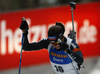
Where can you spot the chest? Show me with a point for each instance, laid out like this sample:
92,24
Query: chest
59,57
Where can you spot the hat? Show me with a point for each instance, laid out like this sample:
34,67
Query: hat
54,33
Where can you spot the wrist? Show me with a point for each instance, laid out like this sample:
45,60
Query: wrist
25,33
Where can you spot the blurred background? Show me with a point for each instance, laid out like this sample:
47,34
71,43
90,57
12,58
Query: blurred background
13,5
40,15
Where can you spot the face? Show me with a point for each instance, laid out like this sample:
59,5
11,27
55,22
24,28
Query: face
56,45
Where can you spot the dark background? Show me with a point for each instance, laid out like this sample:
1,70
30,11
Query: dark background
14,5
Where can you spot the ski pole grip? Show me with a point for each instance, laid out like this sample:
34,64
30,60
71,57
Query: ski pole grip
72,4
23,19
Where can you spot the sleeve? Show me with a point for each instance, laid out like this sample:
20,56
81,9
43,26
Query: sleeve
35,45
75,52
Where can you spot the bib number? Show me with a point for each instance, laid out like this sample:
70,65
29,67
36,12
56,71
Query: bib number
59,69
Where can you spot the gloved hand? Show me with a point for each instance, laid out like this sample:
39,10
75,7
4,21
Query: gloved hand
72,35
64,46
25,33
24,25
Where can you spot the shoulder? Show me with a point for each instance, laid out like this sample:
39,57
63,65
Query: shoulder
45,39
72,43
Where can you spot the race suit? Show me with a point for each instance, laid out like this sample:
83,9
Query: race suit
62,62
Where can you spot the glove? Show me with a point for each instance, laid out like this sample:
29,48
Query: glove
24,25
64,46
25,33
70,35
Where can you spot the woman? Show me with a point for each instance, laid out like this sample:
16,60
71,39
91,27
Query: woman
64,53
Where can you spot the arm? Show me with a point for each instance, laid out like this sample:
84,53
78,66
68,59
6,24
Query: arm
72,48
31,46
75,52
34,46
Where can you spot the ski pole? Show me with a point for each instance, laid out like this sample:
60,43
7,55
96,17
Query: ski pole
72,32
76,72
20,57
23,19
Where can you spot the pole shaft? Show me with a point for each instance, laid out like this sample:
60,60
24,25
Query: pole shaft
21,54
72,18
73,32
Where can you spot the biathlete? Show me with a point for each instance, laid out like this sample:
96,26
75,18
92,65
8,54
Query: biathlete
64,53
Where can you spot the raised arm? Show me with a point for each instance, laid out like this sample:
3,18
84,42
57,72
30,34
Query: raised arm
31,46
73,50
35,45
